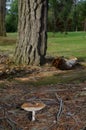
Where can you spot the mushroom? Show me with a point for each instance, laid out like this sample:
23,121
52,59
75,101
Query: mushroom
33,108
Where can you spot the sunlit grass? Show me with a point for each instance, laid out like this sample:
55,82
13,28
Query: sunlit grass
12,35
66,77
8,43
72,44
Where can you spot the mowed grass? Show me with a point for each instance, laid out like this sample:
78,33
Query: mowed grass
8,43
72,44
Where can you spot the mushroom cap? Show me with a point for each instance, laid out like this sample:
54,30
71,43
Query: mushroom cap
33,107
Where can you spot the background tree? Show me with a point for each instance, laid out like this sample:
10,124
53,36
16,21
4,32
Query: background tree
54,21
67,6
54,7
32,32
81,9
75,15
2,18
12,17
61,10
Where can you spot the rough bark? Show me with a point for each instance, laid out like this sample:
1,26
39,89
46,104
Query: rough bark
2,18
85,25
32,35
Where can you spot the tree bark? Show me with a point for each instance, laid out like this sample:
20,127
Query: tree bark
2,17
32,32
85,25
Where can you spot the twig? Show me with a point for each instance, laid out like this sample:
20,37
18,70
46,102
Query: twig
73,117
2,118
60,107
59,112
1,127
73,128
50,126
12,123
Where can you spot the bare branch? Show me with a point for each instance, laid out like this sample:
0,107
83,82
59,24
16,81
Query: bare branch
60,107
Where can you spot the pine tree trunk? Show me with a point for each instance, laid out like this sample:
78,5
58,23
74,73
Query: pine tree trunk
85,25
32,35
2,18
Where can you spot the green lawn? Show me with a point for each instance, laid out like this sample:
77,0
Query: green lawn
8,43
72,44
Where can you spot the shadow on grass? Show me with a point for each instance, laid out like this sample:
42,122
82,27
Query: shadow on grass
66,77
82,59
7,41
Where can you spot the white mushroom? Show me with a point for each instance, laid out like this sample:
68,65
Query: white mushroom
33,108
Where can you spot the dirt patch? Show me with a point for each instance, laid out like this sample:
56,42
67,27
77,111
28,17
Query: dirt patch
67,111
65,102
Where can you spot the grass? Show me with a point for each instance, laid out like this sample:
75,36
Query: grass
67,77
72,44
7,44
13,35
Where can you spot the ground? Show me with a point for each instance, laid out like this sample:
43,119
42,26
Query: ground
63,113
63,92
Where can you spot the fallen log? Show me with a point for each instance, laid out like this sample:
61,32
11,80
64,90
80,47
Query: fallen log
63,63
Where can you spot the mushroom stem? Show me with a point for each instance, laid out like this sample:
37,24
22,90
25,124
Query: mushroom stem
33,115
